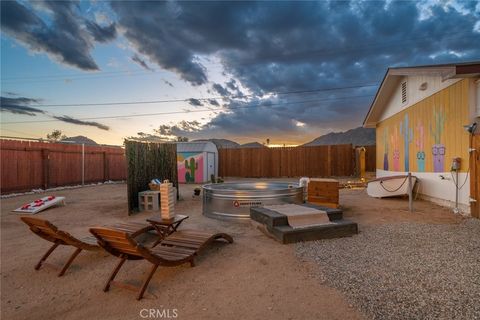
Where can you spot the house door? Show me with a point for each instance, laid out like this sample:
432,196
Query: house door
210,165
475,176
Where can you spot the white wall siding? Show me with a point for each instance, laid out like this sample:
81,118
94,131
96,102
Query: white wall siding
414,94
433,188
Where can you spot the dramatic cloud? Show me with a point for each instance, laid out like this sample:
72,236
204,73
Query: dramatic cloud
61,35
213,102
290,46
141,62
149,30
220,90
275,55
101,34
19,105
23,106
195,102
82,122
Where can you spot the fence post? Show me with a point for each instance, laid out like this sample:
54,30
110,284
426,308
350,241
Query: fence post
46,168
83,164
329,161
106,176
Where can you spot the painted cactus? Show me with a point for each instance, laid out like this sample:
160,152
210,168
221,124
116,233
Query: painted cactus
192,166
407,133
438,149
394,138
420,143
385,149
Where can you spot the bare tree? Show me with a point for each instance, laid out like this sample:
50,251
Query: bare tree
55,136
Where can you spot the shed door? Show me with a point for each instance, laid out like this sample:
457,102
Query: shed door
210,165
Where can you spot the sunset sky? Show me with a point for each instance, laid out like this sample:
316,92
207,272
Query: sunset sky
245,71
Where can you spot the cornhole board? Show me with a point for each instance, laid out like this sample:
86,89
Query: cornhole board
40,205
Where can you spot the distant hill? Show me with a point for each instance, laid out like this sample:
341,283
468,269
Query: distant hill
80,140
222,143
252,145
357,137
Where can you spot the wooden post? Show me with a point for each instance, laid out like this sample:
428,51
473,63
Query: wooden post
46,168
329,161
475,176
410,192
83,164
362,162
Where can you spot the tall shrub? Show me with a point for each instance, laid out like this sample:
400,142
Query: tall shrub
146,161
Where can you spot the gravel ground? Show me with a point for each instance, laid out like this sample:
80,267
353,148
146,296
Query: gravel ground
405,270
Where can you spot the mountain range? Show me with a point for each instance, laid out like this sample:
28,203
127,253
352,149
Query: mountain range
357,137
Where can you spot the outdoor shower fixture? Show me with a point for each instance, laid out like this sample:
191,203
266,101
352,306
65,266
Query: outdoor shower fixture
456,163
470,128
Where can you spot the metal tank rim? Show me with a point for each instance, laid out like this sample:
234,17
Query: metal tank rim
219,199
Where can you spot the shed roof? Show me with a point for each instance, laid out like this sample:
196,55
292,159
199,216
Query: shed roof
394,75
200,146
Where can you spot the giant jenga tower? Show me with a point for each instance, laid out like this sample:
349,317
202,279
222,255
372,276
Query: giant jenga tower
167,200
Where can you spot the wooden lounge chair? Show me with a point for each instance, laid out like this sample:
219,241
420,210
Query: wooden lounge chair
193,239
49,232
173,253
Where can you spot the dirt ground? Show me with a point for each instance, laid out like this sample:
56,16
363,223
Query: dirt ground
253,278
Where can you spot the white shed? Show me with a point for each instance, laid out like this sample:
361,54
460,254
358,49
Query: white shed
196,161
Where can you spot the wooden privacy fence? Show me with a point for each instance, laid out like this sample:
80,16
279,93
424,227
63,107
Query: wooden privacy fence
317,161
370,158
27,165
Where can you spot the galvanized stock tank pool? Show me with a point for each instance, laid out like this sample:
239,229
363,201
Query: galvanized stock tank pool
233,200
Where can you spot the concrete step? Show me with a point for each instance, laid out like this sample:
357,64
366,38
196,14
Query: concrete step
337,229
272,219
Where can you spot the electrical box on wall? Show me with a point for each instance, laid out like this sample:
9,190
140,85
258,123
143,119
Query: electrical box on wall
456,163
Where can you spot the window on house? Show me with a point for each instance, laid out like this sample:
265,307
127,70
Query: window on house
404,92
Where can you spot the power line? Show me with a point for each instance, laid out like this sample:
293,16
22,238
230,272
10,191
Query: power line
22,138
188,111
84,77
200,99
69,75
13,131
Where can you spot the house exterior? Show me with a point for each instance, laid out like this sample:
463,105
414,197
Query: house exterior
419,114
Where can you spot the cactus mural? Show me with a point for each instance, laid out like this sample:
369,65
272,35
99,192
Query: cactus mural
191,166
407,133
385,149
438,149
420,143
394,138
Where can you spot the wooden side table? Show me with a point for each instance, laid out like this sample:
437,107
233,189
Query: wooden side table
165,227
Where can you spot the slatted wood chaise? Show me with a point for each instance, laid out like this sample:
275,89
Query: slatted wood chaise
179,248
46,230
